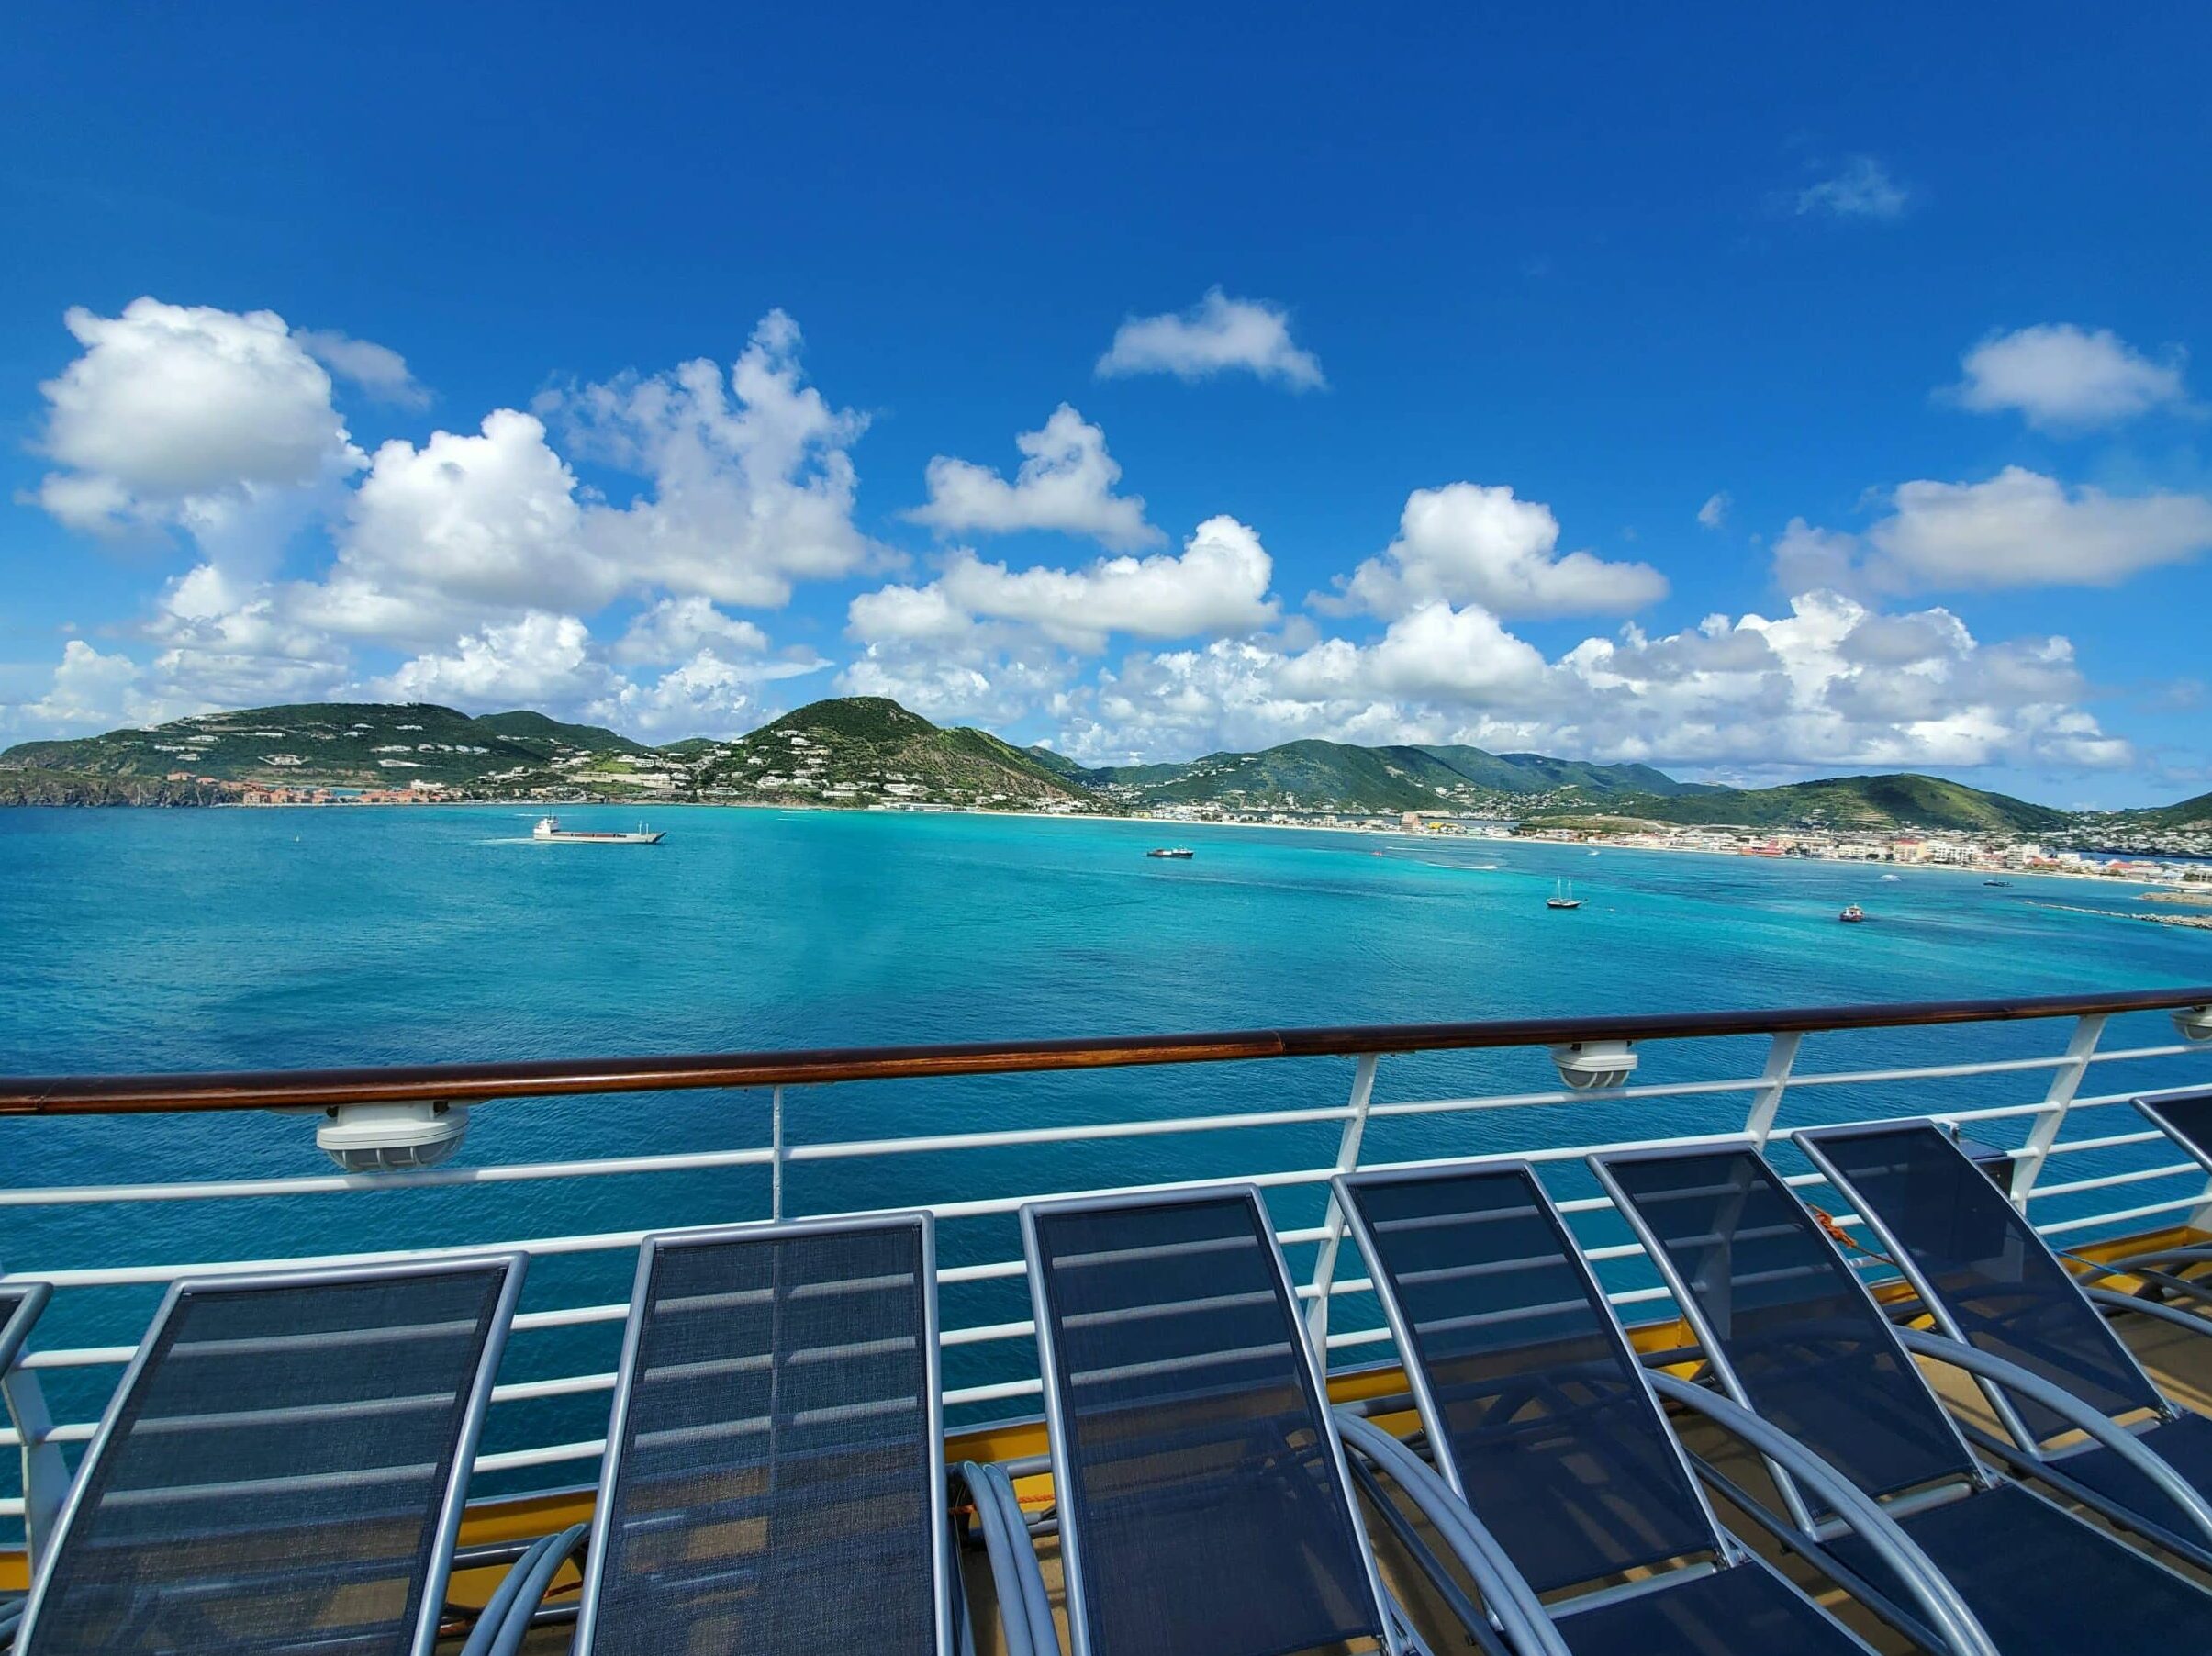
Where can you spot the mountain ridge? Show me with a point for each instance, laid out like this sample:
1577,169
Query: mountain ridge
870,749
1876,804
859,750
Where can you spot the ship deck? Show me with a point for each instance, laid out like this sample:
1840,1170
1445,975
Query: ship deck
2181,1364
2046,1082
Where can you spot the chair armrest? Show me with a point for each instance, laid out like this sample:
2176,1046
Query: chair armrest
500,1628
1945,1610
2144,1268
2155,1308
1527,1625
1024,1610
2184,1256
2071,1409
15,1329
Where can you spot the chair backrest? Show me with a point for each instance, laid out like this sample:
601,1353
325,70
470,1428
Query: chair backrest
1205,1510
282,1467
2187,1121
1544,1421
1791,1329
774,1470
1980,1267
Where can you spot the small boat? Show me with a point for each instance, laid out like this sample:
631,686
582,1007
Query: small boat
1562,896
1182,854
1889,876
549,829
1852,914
1996,882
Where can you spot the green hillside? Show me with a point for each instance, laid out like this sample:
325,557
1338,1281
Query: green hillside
1847,803
1540,773
2194,814
526,729
866,750
355,744
862,750
1335,776
1060,764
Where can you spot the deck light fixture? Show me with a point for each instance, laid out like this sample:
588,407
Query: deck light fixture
2194,1023
391,1138
1587,1066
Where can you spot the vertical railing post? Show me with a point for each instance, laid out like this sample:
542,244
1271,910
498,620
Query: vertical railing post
2065,1081
1347,1160
1766,1103
776,1154
45,1472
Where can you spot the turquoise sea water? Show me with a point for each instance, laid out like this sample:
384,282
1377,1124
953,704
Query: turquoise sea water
140,940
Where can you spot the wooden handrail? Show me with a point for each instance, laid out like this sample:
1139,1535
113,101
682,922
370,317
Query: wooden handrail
475,1083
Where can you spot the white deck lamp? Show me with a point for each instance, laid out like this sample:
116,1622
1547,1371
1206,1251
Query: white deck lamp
391,1138
1587,1066
2194,1023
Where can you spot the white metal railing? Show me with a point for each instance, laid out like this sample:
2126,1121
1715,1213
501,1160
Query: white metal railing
2073,1205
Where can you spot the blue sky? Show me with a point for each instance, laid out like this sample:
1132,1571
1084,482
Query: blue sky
1762,396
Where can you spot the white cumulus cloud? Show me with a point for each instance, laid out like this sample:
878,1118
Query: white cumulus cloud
486,523
1831,684
475,536
989,684
91,691
189,416
540,660
1472,544
708,695
378,370
2018,528
676,627
1065,484
1213,336
1217,584
2061,377
1714,514
550,662
753,475
990,643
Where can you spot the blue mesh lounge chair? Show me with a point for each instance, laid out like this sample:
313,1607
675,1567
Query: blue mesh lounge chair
2187,1121
774,1474
20,1308
1792,1334
1205,1507
1989,1279
1540,1417
282,1467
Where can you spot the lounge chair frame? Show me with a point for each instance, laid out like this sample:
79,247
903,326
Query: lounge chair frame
1882,1534
2152,1108
1800,1510
1393,1634
941,1562
1424,1401
23,1303
433,1609
20,1304
1812,1141
1998,1379
1802,1532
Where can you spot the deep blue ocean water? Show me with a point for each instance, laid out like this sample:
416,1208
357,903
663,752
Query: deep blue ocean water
158,940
